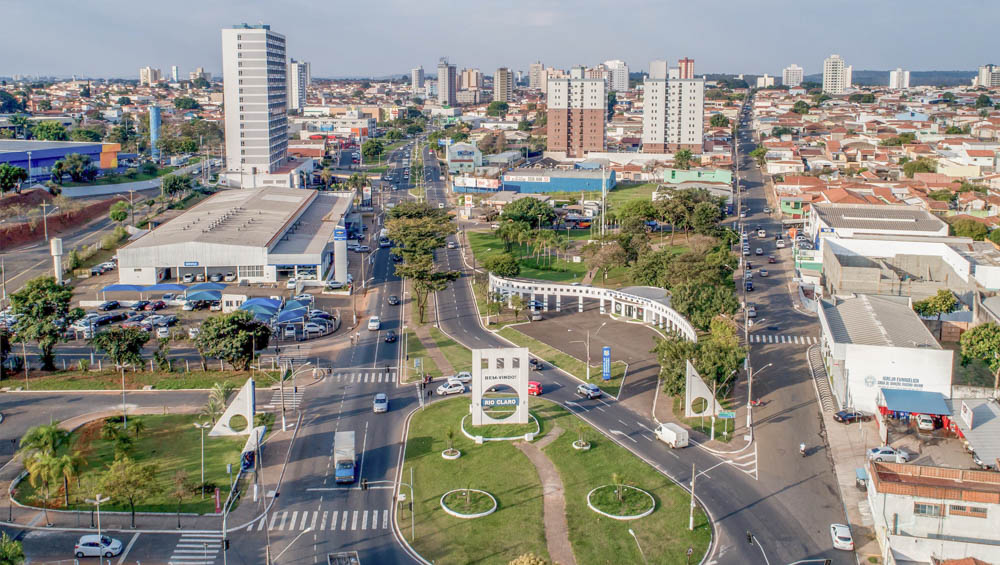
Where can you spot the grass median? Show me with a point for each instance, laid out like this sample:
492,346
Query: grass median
568,363
415,350
457,354
158,380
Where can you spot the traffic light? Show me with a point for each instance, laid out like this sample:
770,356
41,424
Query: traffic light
364,484
225,545
749,537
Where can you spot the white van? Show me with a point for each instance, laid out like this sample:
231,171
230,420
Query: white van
672,434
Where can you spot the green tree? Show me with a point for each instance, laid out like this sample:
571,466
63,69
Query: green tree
862,98
394,135
983,101
529,210
128,482
123,346
50,131
85,134
118,212
954,130
995,236
673,352
173,185
603,256
45,105
497,108
944,302
921,165
11,177
524,125
4,349
969,228
419,236
201,82
719,121
42,472
372,149
705,218
612,101
983,343
503,265
9,104
43,310
517,305
800,107
11,550
181,491
759,155
509,232
682,159
212,409
185,103
699,302
419,268
124,101
68,466
77,166
233,337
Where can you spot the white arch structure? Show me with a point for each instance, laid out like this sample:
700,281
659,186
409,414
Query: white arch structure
636,307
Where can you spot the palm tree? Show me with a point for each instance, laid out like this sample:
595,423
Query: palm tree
450,434
11,551
221,391
68,466
41,470
110,430
45,439
138,426
326,175
619,481
212,409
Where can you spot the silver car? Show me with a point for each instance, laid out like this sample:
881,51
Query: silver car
380,403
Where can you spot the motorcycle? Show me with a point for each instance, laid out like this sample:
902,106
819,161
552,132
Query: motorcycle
756,403
802,449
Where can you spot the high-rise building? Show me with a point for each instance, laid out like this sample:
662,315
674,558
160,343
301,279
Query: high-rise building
255,77
550,74
686,67
447,83
199,73
503,85
836,75
989,76
417,78
154,131
899,79
299,77
148,76
576,114
765,81
174,73
536,75
617,75
792,75
673,111
471,79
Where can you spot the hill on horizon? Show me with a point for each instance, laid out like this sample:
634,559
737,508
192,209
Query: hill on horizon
917,78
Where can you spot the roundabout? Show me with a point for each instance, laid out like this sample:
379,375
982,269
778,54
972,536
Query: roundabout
468,504
621,502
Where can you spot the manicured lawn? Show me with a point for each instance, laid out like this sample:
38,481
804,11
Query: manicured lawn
443,539
723,428
487,244
415,350
112,380
118,179
458,355
567,362
173,443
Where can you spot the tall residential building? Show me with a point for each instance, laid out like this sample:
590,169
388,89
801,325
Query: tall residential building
617,75
576,114
765,81
417,78
255,76
299,77
174,73
471,79
199,73
447,83
536,75
836,75
792,75
673,111
148,76
503,85
686,67
899,79
989,76
550,74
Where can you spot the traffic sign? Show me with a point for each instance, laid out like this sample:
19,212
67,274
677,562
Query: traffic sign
727,415
606,364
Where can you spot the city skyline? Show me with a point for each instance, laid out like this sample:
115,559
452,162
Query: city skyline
632,32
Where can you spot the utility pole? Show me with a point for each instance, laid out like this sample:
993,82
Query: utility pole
691,513
131,205
45,222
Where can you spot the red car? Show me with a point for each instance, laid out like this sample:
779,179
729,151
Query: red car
534,388
156,305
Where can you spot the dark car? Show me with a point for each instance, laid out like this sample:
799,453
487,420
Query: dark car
140,305
849,416
103,320
772,259
156,305
109,305
118,316
167,321
535,364
390,336
393,299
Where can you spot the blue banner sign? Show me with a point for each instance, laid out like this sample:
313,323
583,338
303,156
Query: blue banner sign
606,364
339,234
190,263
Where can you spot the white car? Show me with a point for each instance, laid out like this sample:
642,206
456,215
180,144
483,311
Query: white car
452,387
304,297
374,324
841,537
887,453
464,377
291,283
313,328
380,403
780,244
163,332
925,423
194,332
92,545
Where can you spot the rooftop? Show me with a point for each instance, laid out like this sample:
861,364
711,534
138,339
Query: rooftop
879,217
560,173
877,320
20,145
924,481
984,435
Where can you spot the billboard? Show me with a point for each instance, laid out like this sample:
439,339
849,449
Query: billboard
487,183
500,381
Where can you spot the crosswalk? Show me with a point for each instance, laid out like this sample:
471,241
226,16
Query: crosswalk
781,338
322,520
365,377
196,549
294,354
292,399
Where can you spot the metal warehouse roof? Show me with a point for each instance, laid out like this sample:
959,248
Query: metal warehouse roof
879,217
915,401
984,436
20,146
877,320
558,173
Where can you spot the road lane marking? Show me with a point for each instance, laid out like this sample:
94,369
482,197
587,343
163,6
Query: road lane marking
284,516
343,525
385,519
128,548
322,524
623,434
305,516
273,518
364,520
354,520
333,520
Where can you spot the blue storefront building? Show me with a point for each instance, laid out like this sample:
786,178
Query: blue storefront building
557,180
43,154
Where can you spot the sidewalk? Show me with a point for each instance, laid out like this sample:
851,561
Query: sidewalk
848,445
423,333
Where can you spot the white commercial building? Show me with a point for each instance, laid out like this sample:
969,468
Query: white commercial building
765,81
870,343
792,75
299,77
836,75
927,514
845,221
417,78
673,112
899,79
255,75
261,236
463,157
618,75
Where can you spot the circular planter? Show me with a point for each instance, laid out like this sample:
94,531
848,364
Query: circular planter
643,514
451,454
581,445
463,516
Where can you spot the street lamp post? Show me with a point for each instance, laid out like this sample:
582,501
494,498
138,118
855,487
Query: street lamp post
203,426
97,501
632,533
750,393
587,345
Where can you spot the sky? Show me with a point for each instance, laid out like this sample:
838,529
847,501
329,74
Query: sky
114,38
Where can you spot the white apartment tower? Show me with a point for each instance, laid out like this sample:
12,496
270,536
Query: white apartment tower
536,75
447,83
765,81
148,76
673,111
255,75
899,79
617,75
417,78
503,85
989,76
174,73
792,75
299,77
836,75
